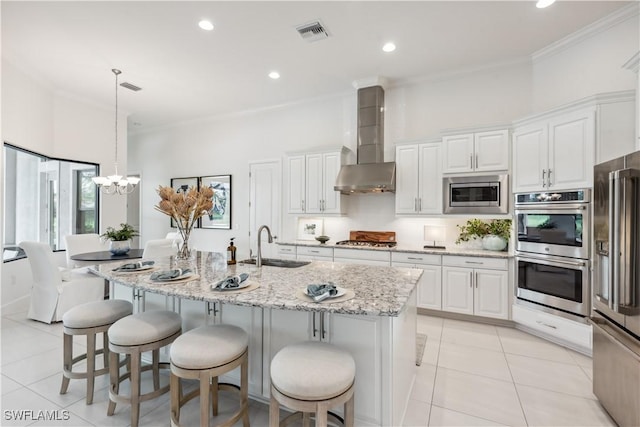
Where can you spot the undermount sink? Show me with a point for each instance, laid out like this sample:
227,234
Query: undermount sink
273,262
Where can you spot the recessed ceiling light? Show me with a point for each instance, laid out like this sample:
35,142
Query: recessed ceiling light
541,4
389,47
205,25
274,75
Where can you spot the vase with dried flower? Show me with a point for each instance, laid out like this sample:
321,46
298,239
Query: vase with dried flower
185,207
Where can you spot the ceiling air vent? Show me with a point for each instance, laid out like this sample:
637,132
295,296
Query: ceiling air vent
130,86
312,32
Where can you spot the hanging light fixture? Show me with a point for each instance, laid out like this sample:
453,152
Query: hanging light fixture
116,184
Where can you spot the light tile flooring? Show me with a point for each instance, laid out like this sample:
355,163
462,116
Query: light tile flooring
472,375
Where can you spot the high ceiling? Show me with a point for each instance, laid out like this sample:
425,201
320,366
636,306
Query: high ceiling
188,73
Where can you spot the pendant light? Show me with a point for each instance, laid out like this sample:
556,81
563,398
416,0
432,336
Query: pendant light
116,184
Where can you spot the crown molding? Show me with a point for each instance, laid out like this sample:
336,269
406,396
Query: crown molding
633,63
590,30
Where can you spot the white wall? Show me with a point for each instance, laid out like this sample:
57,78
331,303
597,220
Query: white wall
37,118
592,65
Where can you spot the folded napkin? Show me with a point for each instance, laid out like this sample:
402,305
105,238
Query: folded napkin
169,274
321,291
230,282
134,265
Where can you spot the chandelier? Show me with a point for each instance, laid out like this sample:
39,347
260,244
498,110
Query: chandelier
116,184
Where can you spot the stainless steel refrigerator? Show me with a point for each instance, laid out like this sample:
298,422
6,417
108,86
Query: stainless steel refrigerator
616,288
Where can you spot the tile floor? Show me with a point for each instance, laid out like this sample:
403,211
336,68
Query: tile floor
472,375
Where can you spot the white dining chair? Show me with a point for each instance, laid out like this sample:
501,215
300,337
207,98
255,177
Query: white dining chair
51,297
159,248
81,243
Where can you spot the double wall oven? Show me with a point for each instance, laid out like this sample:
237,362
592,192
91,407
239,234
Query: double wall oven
552,251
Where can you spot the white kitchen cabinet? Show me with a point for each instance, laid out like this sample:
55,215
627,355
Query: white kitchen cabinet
418,179
477,286
310,180
555,154
286,252
314,253
362,256
476,152
557,149
430,286
355,334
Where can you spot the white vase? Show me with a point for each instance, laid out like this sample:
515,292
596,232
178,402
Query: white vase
492,242
119,247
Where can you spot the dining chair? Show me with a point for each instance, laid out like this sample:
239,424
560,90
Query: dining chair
159,248
51,297
81,243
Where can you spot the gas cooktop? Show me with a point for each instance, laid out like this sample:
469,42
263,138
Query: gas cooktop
369,243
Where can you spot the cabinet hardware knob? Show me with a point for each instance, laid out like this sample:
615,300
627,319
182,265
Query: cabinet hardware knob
546,324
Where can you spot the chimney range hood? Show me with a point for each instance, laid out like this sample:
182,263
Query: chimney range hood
371,174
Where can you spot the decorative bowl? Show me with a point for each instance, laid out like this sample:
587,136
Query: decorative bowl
322,239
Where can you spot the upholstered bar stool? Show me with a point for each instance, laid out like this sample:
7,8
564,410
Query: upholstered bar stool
133,335
204,354
89,319
312,377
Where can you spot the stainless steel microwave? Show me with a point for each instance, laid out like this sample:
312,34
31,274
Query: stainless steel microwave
486,194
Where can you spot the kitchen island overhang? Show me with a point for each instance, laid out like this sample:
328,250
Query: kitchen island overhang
377,325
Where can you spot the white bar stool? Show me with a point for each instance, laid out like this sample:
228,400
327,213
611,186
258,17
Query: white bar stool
204,354
89,319
312,377
133,335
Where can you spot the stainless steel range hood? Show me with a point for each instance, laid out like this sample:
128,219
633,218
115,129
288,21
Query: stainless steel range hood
371,174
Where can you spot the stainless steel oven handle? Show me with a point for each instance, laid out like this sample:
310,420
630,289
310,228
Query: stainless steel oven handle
544,208
547,261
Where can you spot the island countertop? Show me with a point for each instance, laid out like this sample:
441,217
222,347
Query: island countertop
379,291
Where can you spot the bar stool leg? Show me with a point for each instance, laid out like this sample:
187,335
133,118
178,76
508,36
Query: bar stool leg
321,415
349,412
114,380
205,396
68,356
176,396
105,349
91,365
135,387
156,368
214,395
306,419
244,390
274,410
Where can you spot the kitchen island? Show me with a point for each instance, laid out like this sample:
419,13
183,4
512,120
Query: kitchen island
377,325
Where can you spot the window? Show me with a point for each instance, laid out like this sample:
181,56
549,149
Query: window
45,199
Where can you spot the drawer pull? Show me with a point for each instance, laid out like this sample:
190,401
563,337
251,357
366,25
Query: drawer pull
539,322
474,262
414,258
314,252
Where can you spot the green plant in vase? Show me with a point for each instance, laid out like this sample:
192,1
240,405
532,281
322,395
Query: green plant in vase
119,239
494,233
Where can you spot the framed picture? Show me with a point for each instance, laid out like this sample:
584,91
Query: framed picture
220,214
309,229
181,185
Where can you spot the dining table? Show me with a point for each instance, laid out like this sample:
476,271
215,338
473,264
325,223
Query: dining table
107,256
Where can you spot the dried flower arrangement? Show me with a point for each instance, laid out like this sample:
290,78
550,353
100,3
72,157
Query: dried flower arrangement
185,207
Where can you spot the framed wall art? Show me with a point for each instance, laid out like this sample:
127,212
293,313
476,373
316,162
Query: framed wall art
309,228
220,214
181,185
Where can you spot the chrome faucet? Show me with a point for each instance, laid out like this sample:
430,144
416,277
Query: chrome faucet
259,258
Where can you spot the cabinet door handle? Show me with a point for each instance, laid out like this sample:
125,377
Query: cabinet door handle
475,279
471,160
313,326
415,204
420,204
476,161
322,328
546,324
548,178
544,181
471,279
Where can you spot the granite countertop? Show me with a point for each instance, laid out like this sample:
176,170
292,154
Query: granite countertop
379,291
455,250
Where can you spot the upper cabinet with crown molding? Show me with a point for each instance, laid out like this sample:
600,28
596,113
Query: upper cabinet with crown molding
557,150
476,152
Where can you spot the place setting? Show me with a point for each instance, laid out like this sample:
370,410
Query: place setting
176,275
135,267
235,284
324,293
